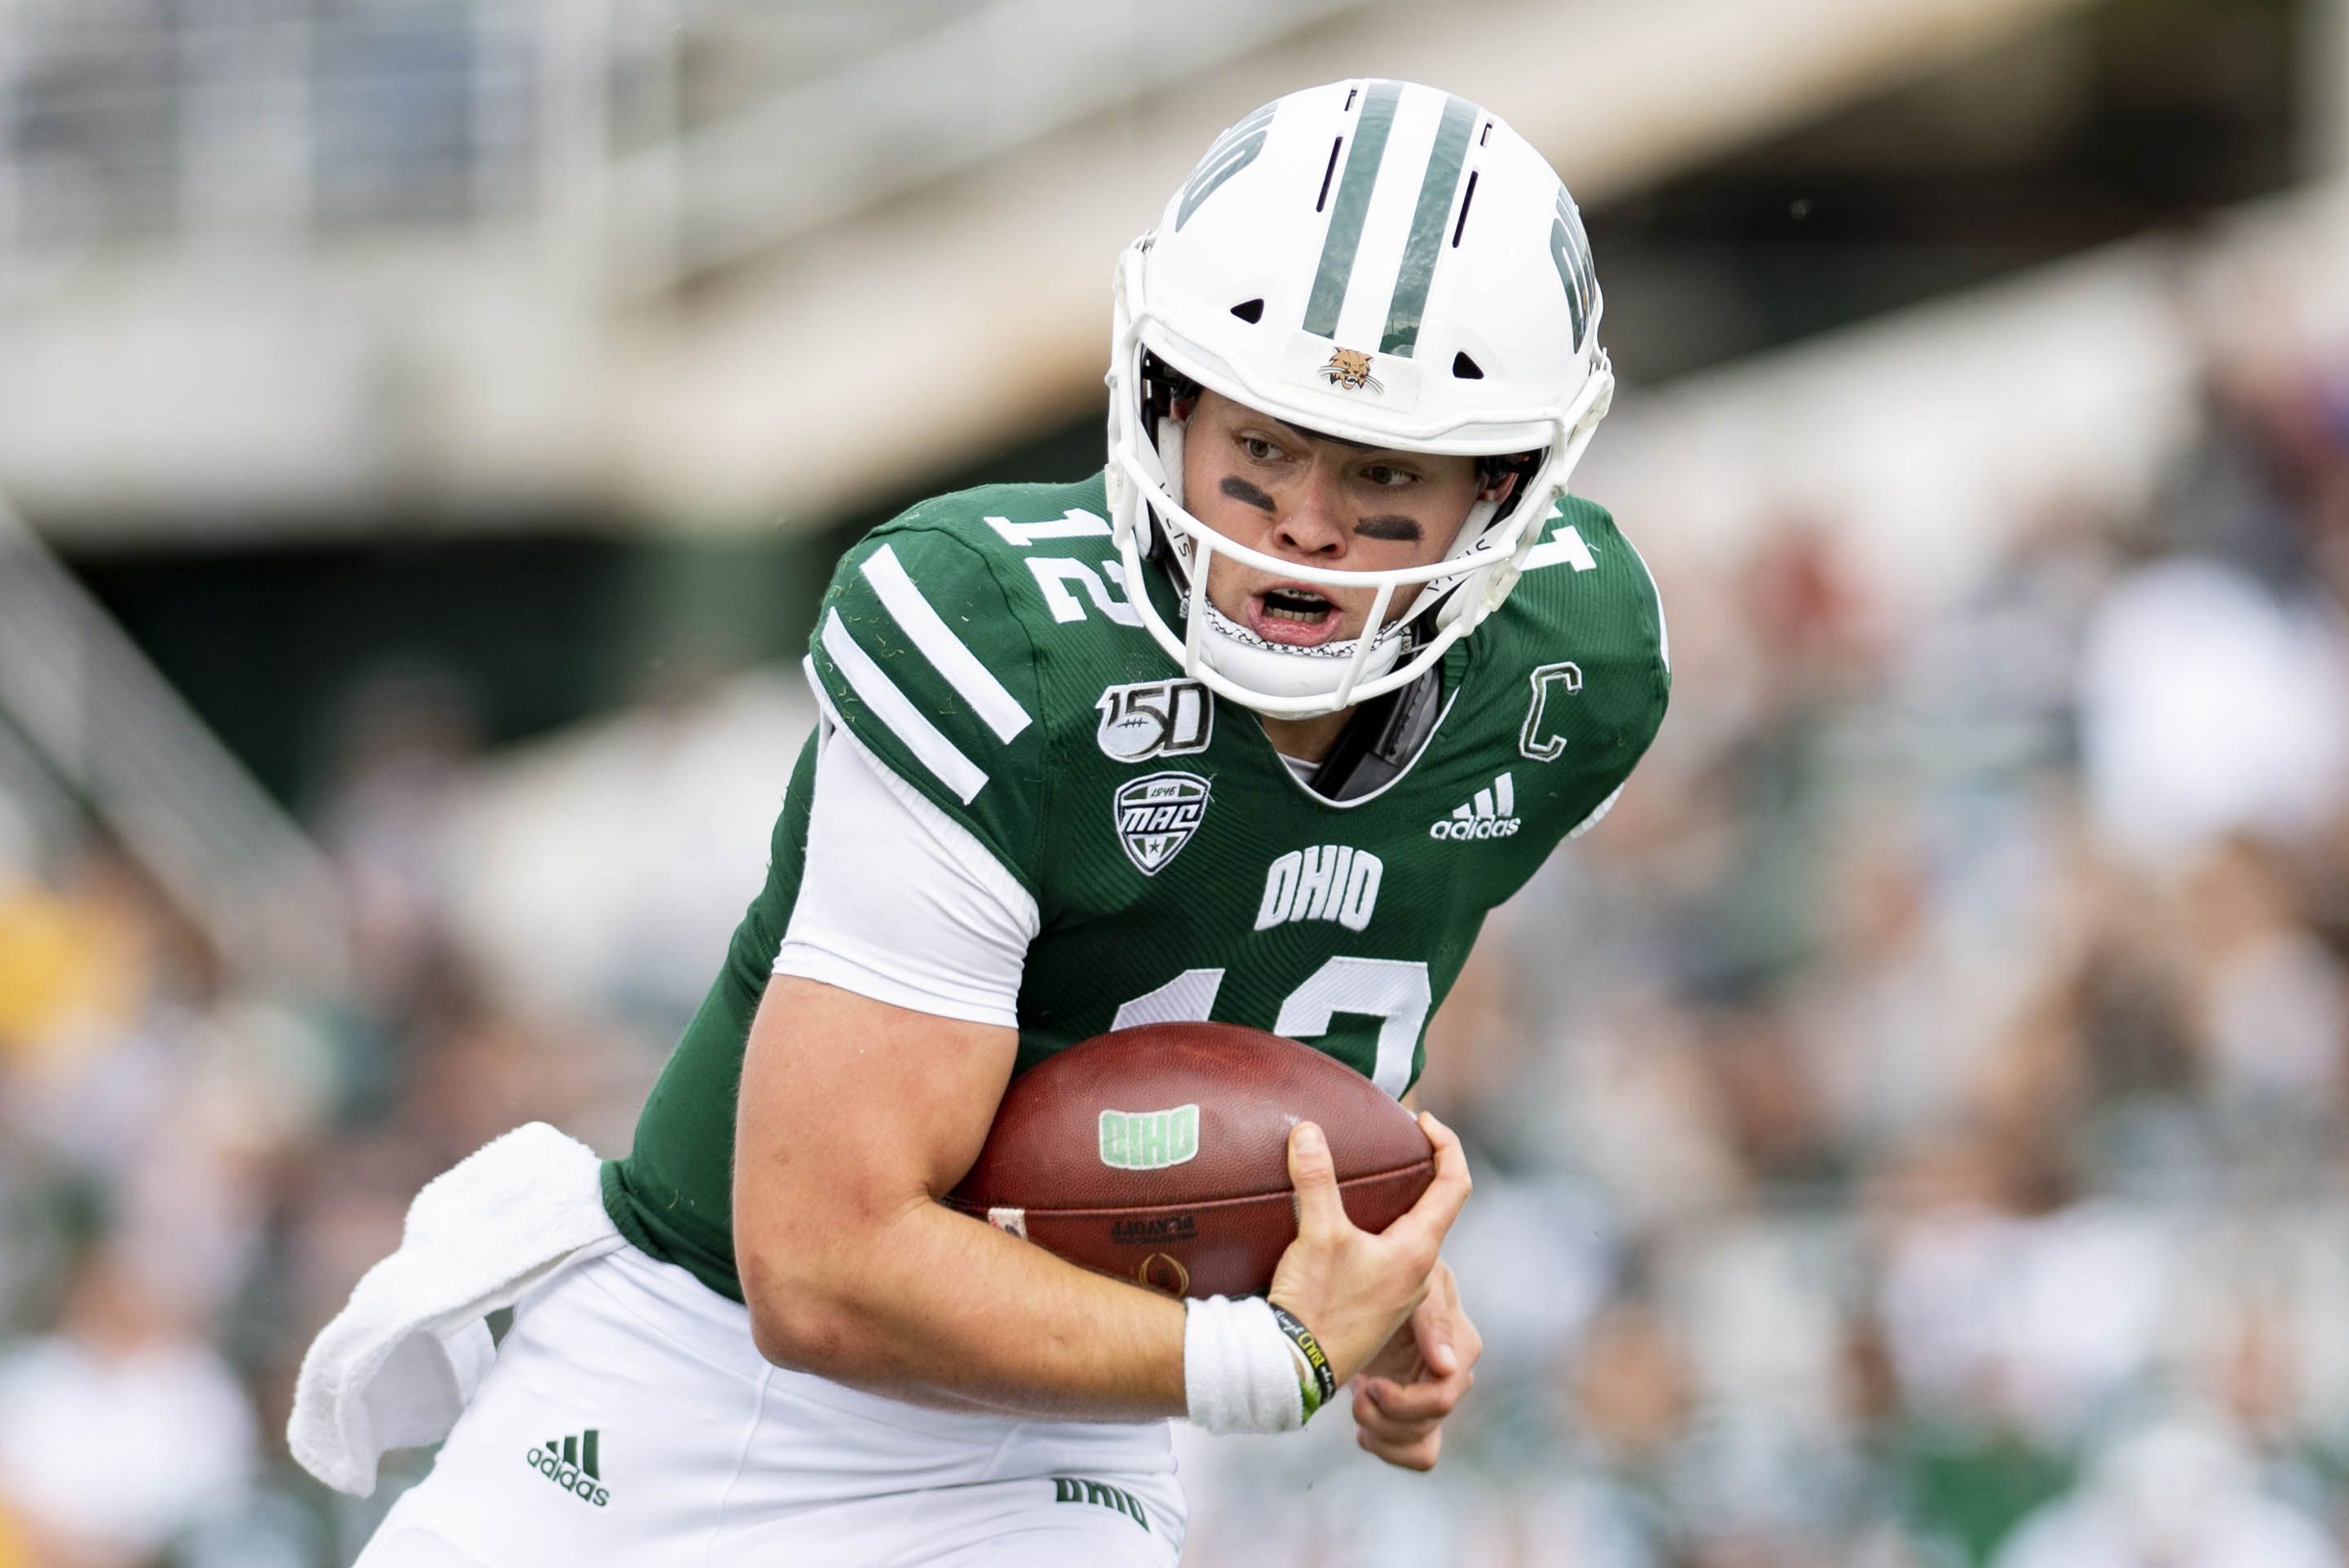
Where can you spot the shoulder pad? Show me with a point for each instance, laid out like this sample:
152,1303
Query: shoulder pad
1587,612
1050,545
918,653
1585,581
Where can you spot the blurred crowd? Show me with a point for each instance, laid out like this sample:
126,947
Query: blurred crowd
196,1167
1909,1130
1910,1126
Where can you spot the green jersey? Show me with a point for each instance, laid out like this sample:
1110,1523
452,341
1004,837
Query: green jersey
982,647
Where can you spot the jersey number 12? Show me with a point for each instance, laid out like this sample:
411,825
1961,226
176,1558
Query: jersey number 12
1392,990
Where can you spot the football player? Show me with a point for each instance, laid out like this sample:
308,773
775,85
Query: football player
1256,726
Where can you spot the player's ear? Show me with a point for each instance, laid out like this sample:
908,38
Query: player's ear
1497,488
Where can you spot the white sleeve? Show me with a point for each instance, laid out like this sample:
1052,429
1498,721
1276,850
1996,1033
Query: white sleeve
898,902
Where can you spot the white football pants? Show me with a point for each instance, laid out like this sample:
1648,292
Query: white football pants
629,1419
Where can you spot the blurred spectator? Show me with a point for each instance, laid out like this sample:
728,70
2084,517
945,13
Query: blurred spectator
120,1429
2008,1300
2270,1001
73,964
2210,706
406,740
2177,1494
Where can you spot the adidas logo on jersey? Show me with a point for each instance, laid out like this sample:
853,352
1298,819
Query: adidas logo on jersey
1493,814
571,1464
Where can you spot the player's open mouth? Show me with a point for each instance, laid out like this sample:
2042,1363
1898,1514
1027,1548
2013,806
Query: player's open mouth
1292,616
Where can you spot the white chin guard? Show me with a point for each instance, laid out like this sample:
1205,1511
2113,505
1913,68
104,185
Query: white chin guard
1291,674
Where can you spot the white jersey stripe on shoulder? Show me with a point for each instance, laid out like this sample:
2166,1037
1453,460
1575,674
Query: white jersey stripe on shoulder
952,656
895,709
1599,814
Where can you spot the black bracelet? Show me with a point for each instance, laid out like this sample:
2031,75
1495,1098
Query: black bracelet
1322,1386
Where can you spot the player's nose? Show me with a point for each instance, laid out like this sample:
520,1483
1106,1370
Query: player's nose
1311,522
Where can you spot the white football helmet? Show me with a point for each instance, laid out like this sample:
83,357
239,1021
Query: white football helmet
1373,260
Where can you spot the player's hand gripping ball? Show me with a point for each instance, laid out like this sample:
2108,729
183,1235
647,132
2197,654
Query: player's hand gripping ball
1160,1154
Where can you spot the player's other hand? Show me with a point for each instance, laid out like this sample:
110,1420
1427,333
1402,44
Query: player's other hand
1403,1396
1354,1288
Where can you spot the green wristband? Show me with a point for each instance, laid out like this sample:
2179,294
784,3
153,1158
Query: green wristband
1316,1384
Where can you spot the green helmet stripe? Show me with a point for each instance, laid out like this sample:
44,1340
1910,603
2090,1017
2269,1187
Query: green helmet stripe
1351,205
1421,250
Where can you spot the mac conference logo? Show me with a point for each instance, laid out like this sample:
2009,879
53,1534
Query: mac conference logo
1156,815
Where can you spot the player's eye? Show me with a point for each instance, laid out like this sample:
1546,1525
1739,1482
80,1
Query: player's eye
1386,476
1259,450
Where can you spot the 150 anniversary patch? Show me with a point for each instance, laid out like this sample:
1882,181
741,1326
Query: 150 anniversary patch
1155,719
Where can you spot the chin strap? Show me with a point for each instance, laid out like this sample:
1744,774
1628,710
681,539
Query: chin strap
1168,542
1170,455
1381,740
1480,520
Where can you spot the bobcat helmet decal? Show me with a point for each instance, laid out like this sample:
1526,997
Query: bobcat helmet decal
1351,369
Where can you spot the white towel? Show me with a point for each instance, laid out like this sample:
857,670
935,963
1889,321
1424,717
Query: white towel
399,1362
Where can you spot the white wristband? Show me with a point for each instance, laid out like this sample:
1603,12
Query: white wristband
1239,1370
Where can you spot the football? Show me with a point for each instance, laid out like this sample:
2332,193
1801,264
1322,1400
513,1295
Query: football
1160,1154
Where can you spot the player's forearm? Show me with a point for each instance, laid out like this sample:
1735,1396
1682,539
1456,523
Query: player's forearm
934,1307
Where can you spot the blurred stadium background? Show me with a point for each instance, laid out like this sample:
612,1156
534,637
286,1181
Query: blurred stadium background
1909,1132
